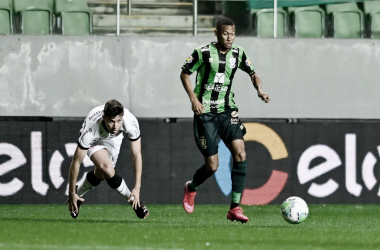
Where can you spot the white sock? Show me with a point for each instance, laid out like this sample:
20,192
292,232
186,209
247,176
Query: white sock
124,190
84,188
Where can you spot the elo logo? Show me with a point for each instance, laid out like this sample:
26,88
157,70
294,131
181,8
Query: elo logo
271,189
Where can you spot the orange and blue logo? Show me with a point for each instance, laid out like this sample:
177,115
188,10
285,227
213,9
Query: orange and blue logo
276,182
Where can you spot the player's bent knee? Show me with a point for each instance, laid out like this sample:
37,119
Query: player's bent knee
213,167
240,156
106,170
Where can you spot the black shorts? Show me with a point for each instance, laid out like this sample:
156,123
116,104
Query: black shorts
209,128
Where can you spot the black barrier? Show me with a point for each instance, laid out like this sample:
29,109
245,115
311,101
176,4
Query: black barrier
322,161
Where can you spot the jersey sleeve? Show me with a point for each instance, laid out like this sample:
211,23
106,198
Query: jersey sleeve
245,64
86,138
193,62
132,128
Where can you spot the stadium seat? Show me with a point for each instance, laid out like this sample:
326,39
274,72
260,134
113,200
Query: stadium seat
264,22
346,20
35,17
372,12
73,17
6,17
308,22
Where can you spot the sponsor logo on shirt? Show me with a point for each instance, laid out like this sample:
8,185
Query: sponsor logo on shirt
213,103
210,60
190,59
97,113
248,62
219,78
216,88
222,62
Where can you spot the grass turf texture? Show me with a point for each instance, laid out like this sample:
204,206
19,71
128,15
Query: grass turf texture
114,227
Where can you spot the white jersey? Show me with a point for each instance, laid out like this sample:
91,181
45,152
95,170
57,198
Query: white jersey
94,134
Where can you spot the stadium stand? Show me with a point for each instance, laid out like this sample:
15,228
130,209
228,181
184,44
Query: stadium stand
34,17
264,23
372,13
307,22
346,20
73,17
150,17
6,17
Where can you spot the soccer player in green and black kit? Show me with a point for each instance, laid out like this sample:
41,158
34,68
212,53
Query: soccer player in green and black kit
215,112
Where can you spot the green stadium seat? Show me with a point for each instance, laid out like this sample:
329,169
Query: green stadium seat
347,20
35,17
73,17
265,23
309,22
6,17
372,11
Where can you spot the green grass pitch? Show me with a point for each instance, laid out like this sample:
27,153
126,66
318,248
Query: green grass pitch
116,227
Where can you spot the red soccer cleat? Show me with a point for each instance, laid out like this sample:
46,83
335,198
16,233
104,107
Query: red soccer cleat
188,199
237,214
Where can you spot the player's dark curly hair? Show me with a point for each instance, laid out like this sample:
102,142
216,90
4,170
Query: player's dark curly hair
113,108
224,21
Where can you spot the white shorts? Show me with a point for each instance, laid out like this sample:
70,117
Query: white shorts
112,145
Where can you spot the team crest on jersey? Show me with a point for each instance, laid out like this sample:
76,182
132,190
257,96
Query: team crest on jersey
248,62
235,50
232,62
190,59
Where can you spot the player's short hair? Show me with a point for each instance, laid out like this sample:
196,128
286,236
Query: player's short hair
113,108
224,21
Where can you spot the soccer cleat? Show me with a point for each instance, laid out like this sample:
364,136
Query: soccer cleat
236,213
76,213
188,199
141,211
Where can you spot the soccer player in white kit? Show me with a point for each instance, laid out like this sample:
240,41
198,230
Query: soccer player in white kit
101,137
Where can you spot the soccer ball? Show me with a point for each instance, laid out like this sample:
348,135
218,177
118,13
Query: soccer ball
294,210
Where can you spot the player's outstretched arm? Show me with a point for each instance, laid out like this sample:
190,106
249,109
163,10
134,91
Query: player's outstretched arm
196,106
259,87
73,176
137,166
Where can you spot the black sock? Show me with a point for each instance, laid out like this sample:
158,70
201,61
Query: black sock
92,178
233,205
201,175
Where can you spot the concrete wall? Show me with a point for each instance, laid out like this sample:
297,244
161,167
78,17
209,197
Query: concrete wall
67,76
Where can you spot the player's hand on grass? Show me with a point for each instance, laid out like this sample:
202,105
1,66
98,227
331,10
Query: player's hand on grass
264,96
197,107
72,202
136,198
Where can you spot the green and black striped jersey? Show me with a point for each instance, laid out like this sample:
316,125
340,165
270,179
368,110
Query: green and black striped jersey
215,72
